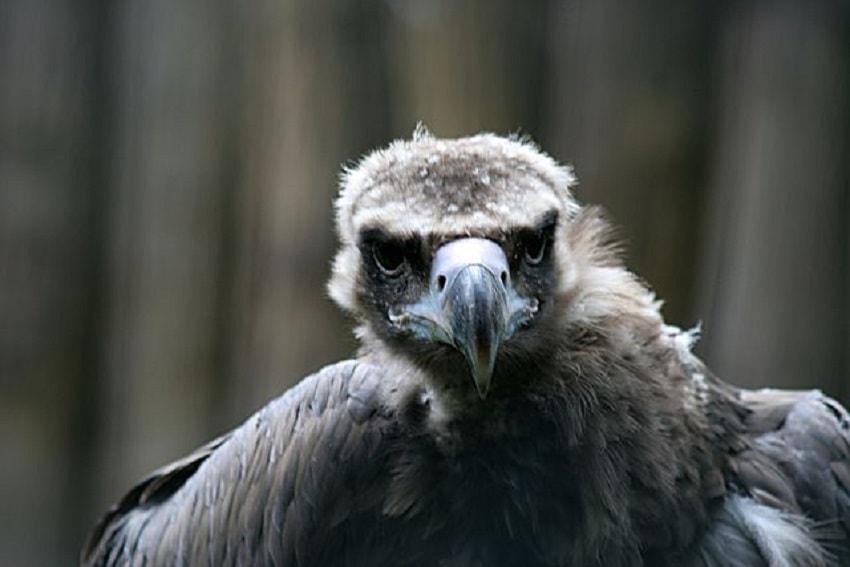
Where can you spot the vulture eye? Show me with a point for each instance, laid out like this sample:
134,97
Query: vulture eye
390,257
535,248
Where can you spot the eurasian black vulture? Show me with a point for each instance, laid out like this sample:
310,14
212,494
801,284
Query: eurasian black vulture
517,400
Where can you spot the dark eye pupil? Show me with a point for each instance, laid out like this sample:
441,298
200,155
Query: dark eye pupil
535,249
389,257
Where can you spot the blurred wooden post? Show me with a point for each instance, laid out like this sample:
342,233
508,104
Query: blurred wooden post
47,260
627,107
464,67
163,272
299,90
775,274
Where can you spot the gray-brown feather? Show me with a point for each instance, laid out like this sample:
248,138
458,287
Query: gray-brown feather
269,491
797,460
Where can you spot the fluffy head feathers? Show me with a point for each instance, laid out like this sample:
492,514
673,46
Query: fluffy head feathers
470,186
480,186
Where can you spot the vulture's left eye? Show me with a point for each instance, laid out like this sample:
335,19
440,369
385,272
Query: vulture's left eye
390,257
535,246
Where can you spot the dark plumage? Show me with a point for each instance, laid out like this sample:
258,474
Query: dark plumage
517,400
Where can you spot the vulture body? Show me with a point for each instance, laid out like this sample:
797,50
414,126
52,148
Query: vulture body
517,400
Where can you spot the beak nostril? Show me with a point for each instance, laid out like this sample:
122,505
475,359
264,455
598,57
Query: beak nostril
441,282
504,277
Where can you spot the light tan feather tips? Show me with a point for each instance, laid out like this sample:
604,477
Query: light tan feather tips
479,185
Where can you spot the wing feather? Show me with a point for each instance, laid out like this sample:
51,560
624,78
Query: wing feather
294,461
798,460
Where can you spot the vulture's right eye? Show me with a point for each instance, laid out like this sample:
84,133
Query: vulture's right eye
390,257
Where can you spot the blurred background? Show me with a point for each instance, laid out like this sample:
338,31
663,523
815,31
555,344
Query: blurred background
167,170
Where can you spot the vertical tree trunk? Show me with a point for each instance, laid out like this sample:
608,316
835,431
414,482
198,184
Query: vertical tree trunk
46,273
775,282
463,67
300,87
164,233
628,110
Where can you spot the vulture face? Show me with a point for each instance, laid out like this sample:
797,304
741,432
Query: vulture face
450,251
471,293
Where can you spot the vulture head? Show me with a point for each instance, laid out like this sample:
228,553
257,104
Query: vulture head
468,257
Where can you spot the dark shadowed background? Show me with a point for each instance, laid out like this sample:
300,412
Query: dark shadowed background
167,170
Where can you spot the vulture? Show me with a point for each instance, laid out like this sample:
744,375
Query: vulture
517,399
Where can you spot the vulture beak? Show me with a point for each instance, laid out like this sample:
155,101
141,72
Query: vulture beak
471,305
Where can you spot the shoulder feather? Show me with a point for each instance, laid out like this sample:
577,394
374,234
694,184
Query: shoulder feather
285,462
797,460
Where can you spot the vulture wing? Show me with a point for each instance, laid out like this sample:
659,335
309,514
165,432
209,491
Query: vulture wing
798,460
274,488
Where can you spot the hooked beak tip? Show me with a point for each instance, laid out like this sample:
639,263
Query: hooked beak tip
482,364
482,386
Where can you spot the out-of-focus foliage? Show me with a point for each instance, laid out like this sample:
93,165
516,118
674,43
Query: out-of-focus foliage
167,170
